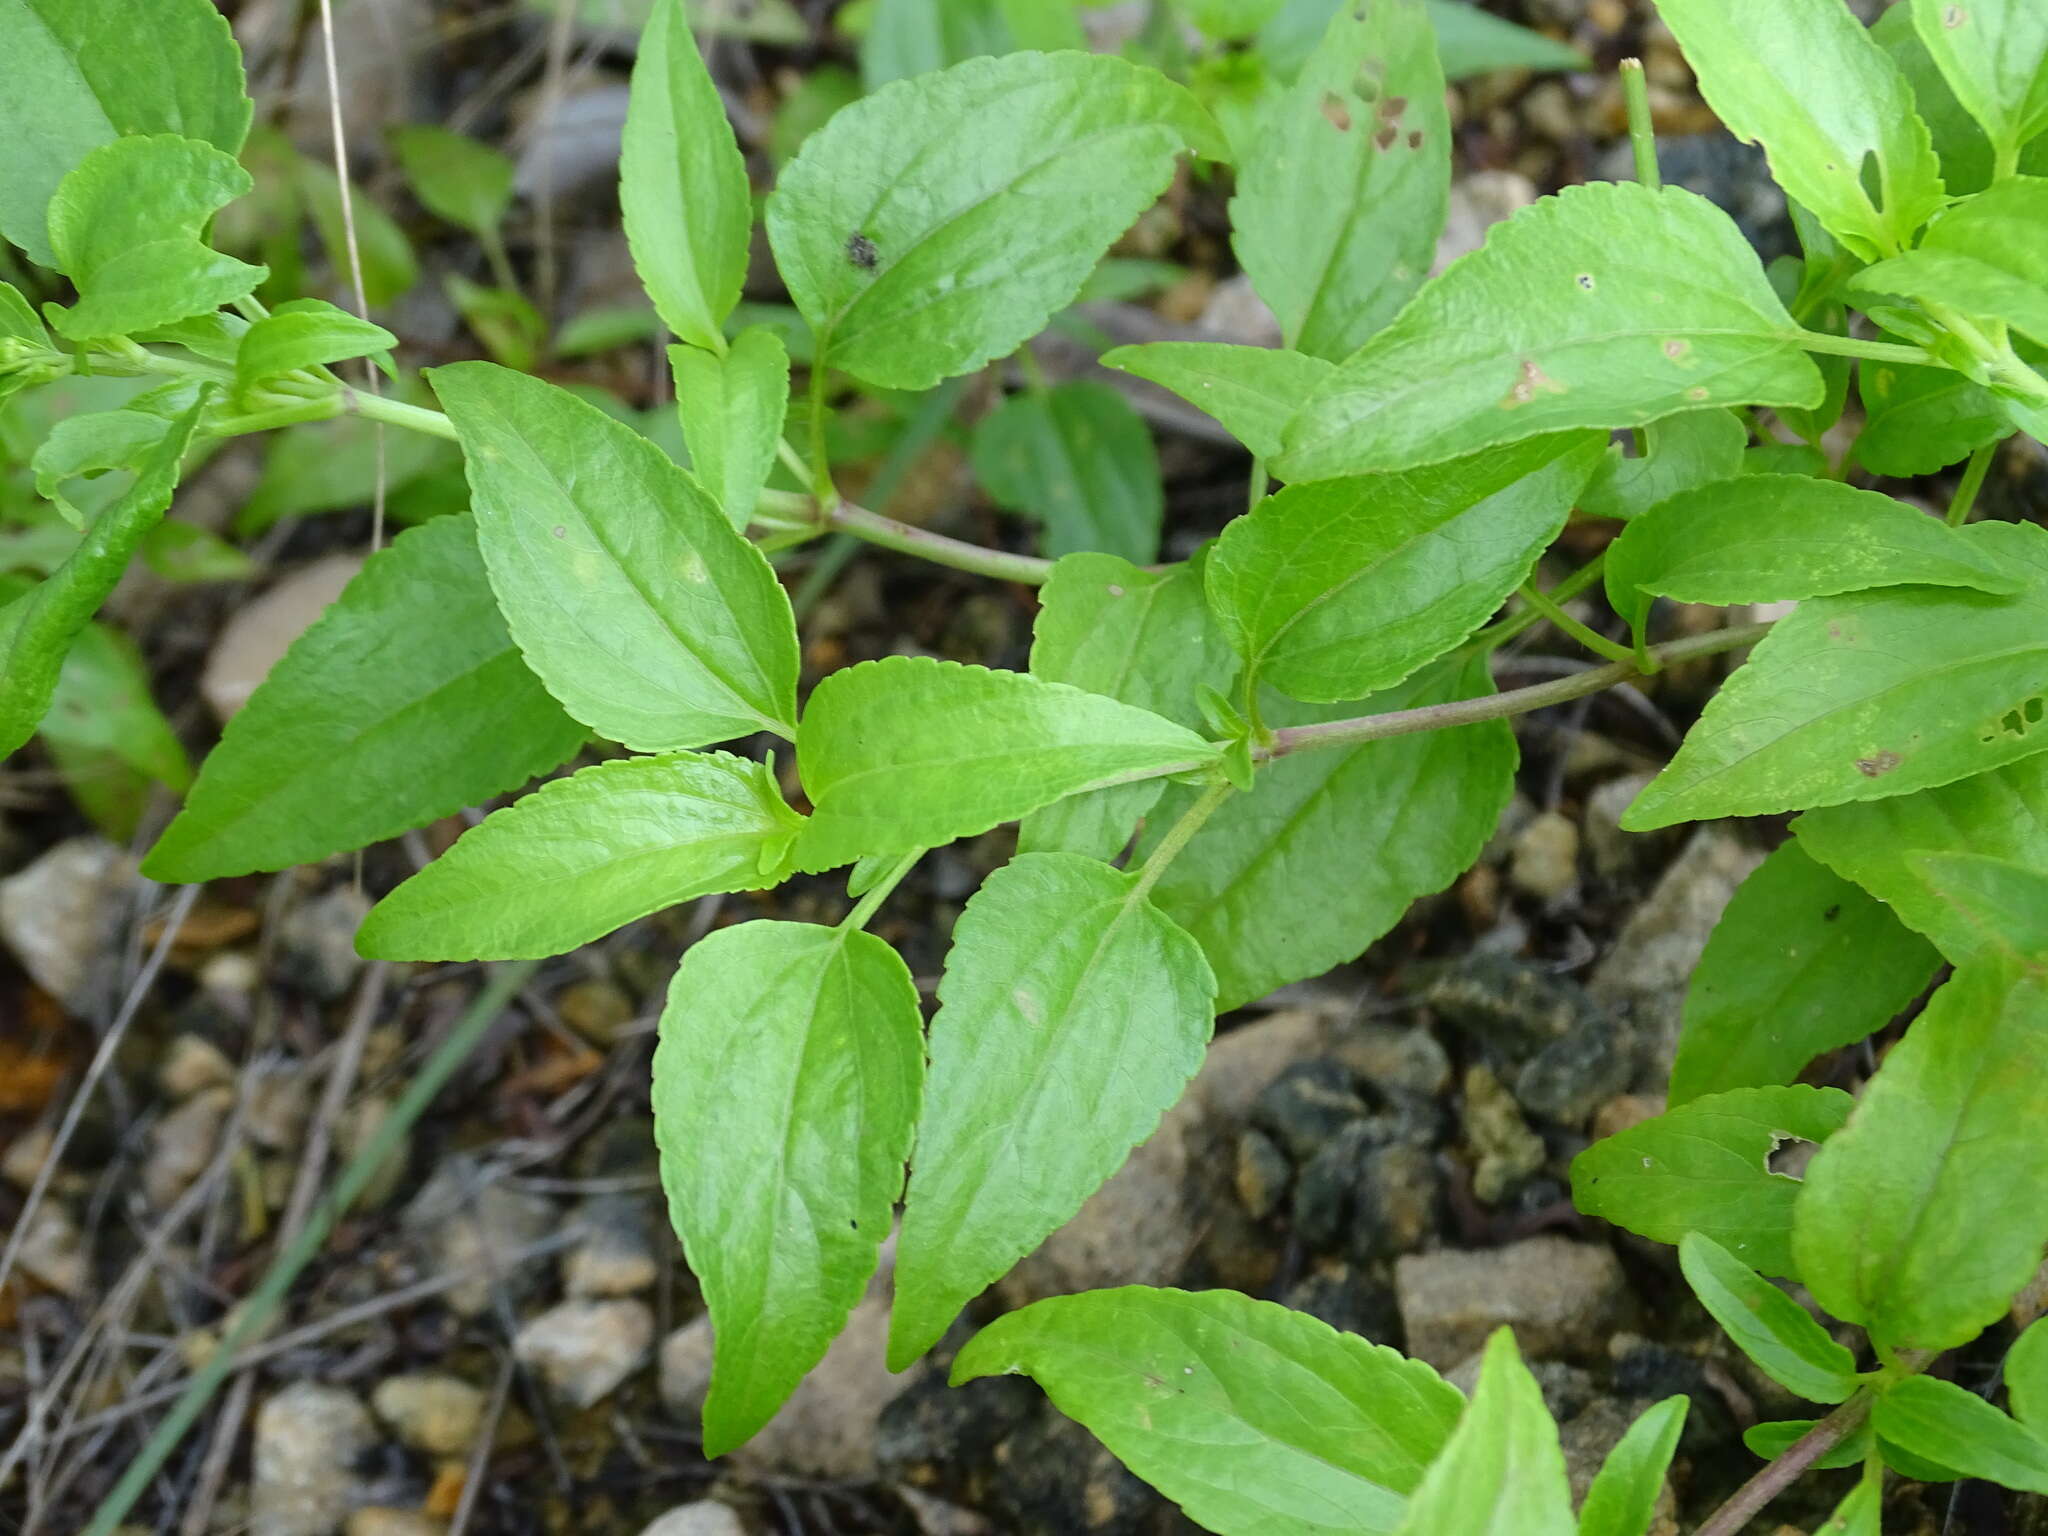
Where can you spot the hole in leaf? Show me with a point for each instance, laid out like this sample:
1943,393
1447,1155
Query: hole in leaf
1585,281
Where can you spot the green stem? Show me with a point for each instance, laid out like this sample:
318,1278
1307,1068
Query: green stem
1290,739
821,460
1499,634
1642,133
939,549
254,1314
876,894
1876,351
398,414
274,417
1179,836
1592,640
1258,484
1965,498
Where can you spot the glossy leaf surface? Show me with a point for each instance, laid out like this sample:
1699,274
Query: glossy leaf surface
1502,1474
1771,1328
1253,391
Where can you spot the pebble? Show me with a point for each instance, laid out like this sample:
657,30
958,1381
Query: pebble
464,1227
596,1010
53,1251
192,1062
430,1411
1505,1151
26,1154
1262,1174
1644,975
1562,1298
1569,1079
260,632
1366,1200
1614,854
705,1517
182,1143
1307,1105
1545,862
936,1517
63,914
280,1102
584,1349
359,1124
380,1521
1390,1056
686,1367
617,1257
1477,203
1236,313
316,943
308,1436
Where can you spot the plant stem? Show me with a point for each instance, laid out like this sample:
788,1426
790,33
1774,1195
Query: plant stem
1642,133
1876,351
254,1314
939,549
1965,498
1258,484
1591,639
1752,1496
821,459
1518,701
398,414
1179,836
1528,618
878,893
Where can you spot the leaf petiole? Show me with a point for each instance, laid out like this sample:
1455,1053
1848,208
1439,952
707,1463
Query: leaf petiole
872,898
1591,639
1179,836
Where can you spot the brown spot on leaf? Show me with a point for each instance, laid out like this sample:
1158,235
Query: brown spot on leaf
1393,107
1676,348
1415,139
1954,17
1384,139
1533,382
1878,766
1335,110
1698,392
860,250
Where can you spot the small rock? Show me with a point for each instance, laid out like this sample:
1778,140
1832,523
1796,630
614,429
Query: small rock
1545,862
1567,1389
62,915
279,1104
1390,1056
26,1155
316,943
1615,854
379,1521
359,1125
307,1439
183,1143
192,1062
1477,203
1560,1297
1053,1476
936,1517
1570,1078
686,1367
430,1411
465,1224
1236,313
1644,976
53,1252
1508,1004
1624,1112
597,1010
1307,1105
1262,1175
1350,1298
1505,1151
617,1257
1370,1201
586,1348
255,639
705,1517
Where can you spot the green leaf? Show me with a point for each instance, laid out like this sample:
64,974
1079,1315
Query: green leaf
1475,42
179,551
330,466
1705,1167
1994,56
1608,305
1691,449
48,619
2002,814
2006,903
732,409
108,738
1253,391
1860,1513
1831,109
504,320
1784,538
1953,1426
1774,1439
1623,1498
1142,637
1334,589
786,1085
688,209
1925,1216
584,855
85,72
1325,857
1920,420
457,178
389,266
1768,1325
304,333
91,445
1967,159
404,702
909,753
125,227
1801,962
1301,1429
1341,196
1871,694
2026,1376
1072,1016
1502,1472
632,597
18,323
1987,258
906,38
1077,458
941,221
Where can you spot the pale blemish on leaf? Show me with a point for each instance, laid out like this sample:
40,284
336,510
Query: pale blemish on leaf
1336,111
1030,1005
1676,348
1954,17
1532,382
1878,765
